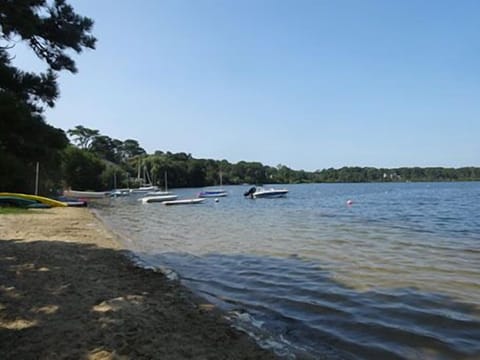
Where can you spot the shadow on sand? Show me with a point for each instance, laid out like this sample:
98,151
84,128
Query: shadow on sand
76,301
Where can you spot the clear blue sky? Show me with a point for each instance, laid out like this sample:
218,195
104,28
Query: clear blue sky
308,84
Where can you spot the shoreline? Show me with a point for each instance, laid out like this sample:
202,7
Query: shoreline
68,289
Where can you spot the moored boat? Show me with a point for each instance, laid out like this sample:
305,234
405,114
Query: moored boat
212,193
185,201
159,193
119,192
144,189
160,198
266,193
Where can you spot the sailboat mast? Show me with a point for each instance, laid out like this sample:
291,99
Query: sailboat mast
166,186
37,170
138,171
147,176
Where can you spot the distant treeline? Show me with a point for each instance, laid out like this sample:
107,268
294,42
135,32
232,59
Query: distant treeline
370,174
98,162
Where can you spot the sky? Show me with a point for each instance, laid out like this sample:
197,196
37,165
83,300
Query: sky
310,84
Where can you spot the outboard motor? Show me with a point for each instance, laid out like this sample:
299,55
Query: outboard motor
250,191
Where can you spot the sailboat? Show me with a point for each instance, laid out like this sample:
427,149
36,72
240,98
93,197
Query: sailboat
118,192
214,192
159,192
159,196
147,186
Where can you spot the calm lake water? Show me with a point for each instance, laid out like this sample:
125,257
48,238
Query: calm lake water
394,275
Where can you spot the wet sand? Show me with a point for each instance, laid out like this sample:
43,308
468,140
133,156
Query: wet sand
68,291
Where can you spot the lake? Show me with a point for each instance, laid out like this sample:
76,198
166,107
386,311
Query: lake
396,274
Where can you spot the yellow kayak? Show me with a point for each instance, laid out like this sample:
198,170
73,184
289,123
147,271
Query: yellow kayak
42,199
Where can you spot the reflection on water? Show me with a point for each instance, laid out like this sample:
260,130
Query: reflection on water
395,275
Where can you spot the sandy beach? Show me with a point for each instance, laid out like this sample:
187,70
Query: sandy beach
68,291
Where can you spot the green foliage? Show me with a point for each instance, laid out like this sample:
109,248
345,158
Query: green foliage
131,148
83,136
51,29
25,139
107,163
369,174
82,169
48,28
12,174
113,176
106,148
120,159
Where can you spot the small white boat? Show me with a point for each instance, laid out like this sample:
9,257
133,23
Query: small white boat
120,192
144,189
212,193
269,193
159,193
150,191
159,198
85,194
77,202
185,201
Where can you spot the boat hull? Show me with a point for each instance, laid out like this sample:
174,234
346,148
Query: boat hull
85,194
270,194
144,189
36,198
212,194
185,202
157,199
13,201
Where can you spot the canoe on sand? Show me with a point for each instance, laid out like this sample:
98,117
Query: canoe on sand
21,202
41,199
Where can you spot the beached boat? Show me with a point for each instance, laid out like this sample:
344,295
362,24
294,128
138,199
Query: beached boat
269,193
158,198
185,201
85,194
13,201
36,198
75,202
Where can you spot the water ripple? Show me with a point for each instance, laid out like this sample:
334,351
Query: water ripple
396,275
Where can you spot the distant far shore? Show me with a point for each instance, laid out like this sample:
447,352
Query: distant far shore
67,290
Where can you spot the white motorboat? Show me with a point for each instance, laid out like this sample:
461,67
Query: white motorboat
158,198
271,193
185,201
